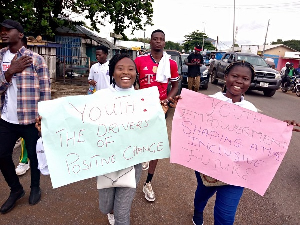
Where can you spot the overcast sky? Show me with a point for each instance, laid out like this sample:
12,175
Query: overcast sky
181,17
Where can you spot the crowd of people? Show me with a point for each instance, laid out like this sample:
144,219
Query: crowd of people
25,81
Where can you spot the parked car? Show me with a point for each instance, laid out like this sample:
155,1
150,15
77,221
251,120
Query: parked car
266,79
204,76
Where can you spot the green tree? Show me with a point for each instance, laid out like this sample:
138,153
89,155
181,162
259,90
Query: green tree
279,41
196,38
44,16
146,40
295,44
173,46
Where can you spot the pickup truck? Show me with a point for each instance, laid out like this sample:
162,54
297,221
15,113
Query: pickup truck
266,79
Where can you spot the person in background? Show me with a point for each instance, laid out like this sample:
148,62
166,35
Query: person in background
195,61
212,59
99,72
238,77
282,71
24,81
141,52
288,74
23,166
297,71
156,69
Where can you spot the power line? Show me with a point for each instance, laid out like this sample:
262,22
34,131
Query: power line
291,5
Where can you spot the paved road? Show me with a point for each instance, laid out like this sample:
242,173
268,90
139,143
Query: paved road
174,186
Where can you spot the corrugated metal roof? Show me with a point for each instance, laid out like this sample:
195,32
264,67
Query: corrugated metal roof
84,32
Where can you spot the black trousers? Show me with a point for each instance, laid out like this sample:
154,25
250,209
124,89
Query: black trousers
286,79
9,134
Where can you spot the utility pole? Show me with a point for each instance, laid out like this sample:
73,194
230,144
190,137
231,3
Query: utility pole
266,38
203,37
144,38
233,42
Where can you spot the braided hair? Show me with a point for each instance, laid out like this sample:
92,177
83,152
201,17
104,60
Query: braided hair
238,63
112,64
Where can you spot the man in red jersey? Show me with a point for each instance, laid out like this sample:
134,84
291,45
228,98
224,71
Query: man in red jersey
150,75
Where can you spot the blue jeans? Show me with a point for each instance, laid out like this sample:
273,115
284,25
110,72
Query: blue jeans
227,200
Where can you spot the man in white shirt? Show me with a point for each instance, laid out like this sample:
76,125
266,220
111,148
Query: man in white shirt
99,75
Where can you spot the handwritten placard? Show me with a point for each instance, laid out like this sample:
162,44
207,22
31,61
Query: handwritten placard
87,136
228,142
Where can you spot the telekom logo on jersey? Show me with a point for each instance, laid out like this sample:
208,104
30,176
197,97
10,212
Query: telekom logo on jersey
149,78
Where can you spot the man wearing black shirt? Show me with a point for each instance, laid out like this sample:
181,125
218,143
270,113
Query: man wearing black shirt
195,60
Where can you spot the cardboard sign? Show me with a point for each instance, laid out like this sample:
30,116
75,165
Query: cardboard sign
87,136
228,142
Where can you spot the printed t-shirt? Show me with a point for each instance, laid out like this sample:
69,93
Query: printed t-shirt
9,111
194,71
147,68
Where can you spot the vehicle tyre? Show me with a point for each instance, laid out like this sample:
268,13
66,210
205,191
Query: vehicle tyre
298,93
269,93
214,79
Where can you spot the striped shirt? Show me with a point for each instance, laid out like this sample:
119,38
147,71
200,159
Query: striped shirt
33,85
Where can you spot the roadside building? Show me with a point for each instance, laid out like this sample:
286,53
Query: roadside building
78,50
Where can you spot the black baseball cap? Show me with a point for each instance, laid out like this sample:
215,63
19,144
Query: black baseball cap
11,24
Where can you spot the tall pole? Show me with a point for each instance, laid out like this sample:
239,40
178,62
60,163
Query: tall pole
266,38
144,37
203,36
233,26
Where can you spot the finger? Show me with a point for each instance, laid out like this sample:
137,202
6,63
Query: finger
171,99
289,122
26,59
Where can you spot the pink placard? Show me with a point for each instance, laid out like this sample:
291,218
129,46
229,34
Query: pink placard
228,142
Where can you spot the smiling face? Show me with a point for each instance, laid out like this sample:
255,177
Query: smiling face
157,41
125,73
238,81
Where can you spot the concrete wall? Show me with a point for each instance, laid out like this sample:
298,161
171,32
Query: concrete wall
280,51
282,62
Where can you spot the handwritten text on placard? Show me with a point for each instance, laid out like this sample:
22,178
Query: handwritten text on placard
87,136
228,142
